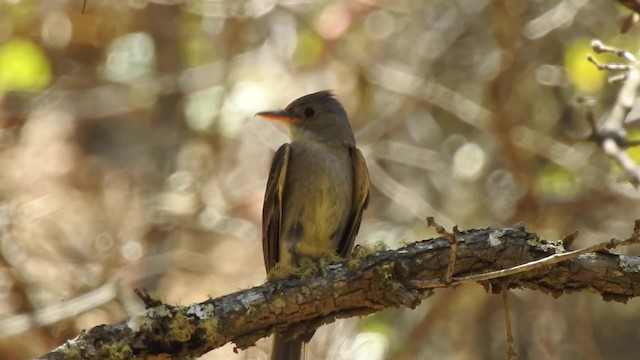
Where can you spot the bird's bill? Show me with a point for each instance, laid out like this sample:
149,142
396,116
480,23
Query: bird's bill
279,115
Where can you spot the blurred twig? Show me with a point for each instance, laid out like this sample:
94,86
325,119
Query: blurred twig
511,349
613,127
452,238
396,190
55,313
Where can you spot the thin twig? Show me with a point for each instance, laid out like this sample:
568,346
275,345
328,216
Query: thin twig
511,348
568,239
609,67
146,297
618,78
453,242
452,238
599,47
53,314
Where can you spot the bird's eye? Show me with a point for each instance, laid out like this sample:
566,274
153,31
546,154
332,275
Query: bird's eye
309,112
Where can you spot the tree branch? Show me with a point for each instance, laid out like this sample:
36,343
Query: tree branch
358,286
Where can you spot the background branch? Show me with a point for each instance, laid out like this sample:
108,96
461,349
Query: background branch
612,136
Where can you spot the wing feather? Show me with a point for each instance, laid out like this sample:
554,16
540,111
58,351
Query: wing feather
360,200
272,207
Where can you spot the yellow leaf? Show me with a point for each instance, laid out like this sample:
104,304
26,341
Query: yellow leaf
23,66
309,48
634,152
555,182
584,76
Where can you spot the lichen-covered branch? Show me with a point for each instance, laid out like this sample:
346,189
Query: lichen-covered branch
360,285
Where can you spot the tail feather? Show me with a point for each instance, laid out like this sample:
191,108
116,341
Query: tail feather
286,349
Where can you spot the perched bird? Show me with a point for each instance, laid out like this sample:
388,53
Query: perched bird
318,188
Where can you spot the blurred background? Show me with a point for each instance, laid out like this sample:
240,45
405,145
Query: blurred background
130,157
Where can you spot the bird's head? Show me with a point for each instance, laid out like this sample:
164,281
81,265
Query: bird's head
315,117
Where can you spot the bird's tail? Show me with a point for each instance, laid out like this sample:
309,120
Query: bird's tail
286,349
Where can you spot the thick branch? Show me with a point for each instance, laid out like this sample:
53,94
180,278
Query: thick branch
358,286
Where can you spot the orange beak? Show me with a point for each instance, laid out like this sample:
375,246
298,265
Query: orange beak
280,115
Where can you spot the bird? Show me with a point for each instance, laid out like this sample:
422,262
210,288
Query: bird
317,191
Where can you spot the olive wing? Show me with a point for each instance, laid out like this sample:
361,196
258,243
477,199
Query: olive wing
272,207
360,200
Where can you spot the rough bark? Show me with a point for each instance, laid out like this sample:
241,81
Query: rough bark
361,285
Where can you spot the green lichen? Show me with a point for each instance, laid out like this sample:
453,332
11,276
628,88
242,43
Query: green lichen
180,328
306,269
71,354
354,261
211,328
158,312
362,251
386,271
115,351
379,246
250,310
278,303
533,241
281,271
